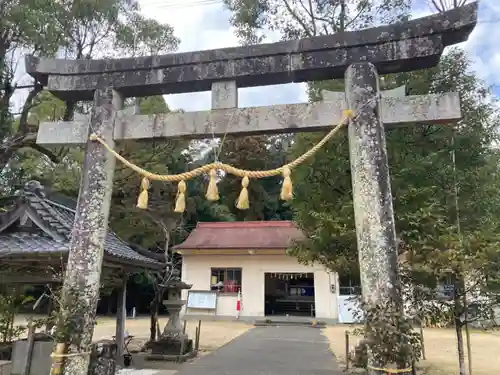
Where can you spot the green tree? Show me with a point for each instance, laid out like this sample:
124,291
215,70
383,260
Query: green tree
431,166
82,29
447,212
445,208
294,19
420,163
252,153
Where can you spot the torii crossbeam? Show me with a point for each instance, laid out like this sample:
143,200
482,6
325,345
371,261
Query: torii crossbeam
401,47
358,56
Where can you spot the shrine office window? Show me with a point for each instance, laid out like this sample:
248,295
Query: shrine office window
226,280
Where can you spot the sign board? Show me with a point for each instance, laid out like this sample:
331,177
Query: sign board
202,299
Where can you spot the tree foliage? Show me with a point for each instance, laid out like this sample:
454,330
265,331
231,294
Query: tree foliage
295,19
422,173
82,29
291,19
254,153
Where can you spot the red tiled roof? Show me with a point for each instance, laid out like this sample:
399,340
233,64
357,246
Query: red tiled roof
242,235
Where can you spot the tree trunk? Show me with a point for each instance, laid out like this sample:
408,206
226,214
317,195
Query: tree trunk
69,112
460,346
457,311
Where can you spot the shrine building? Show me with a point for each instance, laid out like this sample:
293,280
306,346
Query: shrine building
225,260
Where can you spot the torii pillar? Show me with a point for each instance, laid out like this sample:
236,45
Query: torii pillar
373,211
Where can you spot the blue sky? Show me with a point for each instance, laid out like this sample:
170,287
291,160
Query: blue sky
204,24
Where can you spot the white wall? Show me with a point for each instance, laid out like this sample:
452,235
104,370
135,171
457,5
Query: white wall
196,270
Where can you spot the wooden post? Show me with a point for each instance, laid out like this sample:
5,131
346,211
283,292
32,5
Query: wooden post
50,308
29,350
121,315
197,343
196,339
469,348
373,212
83,272
422,345
347,350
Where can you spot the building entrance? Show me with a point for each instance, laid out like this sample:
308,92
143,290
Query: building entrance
289,294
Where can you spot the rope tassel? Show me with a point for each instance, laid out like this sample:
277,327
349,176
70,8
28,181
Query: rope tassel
287,187
180,203
142,200
212,191
242,203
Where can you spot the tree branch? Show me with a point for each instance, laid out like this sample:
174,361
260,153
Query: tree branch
355,18
310,12
22,141
28,104
443,6
297,18
53,157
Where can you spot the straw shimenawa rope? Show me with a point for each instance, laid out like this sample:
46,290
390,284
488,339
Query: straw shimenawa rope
212,193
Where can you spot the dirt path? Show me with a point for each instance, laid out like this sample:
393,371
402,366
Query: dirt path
440,347
213,334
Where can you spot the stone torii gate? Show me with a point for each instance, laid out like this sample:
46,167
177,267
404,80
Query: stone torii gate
358,56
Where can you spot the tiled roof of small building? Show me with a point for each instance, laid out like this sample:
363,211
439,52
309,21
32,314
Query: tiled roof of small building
54,214
242,235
